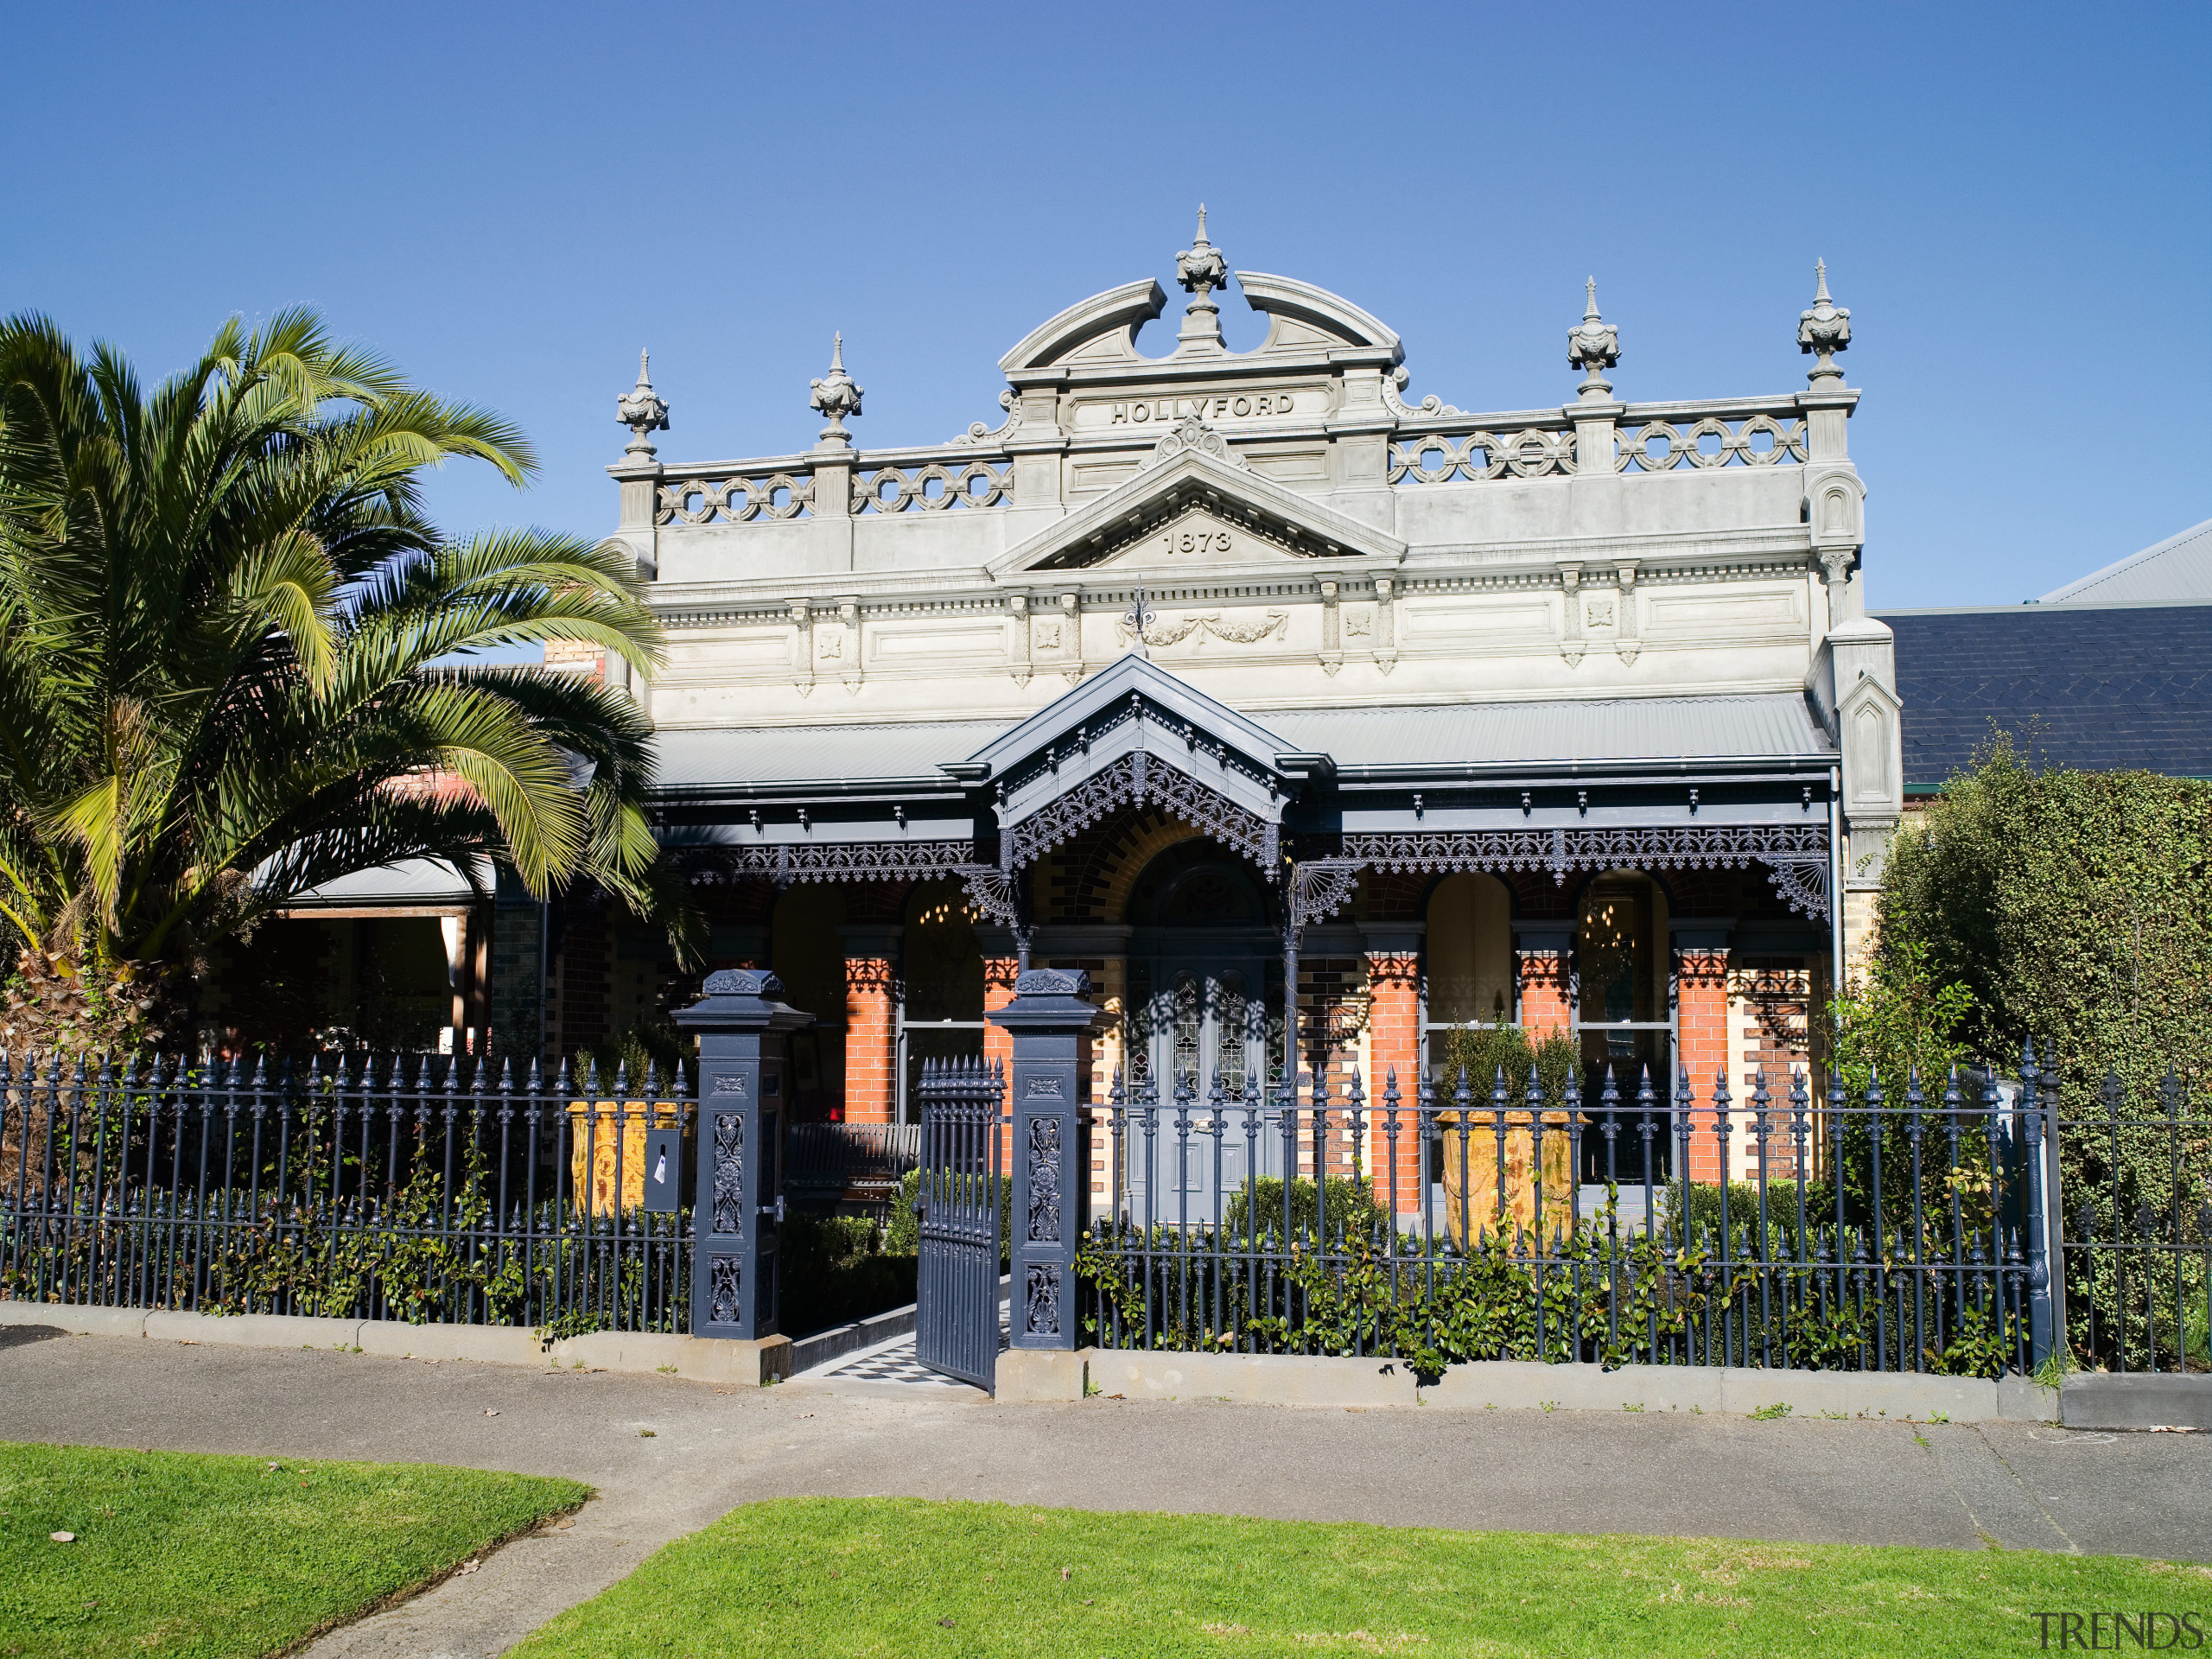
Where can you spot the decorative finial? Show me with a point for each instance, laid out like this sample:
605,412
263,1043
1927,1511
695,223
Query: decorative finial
836,395
1200,268
642,411
1594,345
1825,329
1138,617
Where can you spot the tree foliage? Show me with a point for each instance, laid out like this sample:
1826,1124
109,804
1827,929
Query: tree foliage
2075,908
227,629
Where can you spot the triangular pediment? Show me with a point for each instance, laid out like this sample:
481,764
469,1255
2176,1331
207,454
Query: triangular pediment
1134,735
1244,518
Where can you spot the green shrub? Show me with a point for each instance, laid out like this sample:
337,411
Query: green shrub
1352,1208
1699,1203
836,1270
2070,905
903,1234
1634,1298
1480,1054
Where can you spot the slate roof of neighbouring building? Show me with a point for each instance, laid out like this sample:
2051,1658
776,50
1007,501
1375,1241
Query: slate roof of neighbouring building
2096,687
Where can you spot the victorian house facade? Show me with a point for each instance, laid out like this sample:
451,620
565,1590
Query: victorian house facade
1310,721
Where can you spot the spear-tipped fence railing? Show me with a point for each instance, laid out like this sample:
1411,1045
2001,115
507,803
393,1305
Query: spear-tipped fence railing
418,1187
1885,1229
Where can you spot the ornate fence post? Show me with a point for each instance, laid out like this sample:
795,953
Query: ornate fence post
1051,1169
743,1033
2046,1266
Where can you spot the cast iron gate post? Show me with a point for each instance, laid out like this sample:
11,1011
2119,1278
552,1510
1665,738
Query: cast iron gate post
1047,1018
743,1042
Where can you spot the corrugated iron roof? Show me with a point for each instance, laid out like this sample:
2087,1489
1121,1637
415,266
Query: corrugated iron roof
1762,726
694,758
1614,728
411,881
2177,571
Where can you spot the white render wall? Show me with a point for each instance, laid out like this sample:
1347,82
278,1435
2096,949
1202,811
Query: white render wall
1339,555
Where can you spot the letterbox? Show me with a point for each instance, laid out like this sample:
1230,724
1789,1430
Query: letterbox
664,1170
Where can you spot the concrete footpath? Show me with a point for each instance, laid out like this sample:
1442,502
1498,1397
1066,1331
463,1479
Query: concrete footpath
2019,1485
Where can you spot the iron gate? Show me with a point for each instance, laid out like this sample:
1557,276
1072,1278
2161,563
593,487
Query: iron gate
961,1200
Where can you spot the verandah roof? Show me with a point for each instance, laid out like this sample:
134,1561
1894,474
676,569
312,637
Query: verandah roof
1767,727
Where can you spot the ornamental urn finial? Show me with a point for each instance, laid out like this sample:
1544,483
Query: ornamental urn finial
1825,329
1594,345
1200,268
836,395
642,411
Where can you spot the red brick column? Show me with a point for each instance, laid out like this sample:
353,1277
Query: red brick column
1394,1042
871,1022
1701,1010
1543,951
999,969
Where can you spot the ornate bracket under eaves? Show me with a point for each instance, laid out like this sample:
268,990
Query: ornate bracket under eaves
997,894
1796,855
1318,889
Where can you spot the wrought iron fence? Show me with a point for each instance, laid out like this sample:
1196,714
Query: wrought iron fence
1904,1230
2136,1220
414,1187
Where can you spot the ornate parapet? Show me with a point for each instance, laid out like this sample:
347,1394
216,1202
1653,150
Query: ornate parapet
764,491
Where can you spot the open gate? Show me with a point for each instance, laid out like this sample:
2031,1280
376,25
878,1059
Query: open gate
961,1201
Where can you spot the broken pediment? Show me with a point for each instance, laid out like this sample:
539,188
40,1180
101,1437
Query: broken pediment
1102,330
1304,315
1231,515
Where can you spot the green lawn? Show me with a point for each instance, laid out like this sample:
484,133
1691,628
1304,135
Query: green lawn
824,1577
180,1554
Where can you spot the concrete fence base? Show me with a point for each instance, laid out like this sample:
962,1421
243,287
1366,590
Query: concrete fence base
2139,1399
1508,1385
702,1359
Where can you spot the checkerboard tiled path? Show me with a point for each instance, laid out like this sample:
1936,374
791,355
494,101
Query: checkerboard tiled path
893,1362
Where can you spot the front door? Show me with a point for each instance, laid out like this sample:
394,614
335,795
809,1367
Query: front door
1203,1021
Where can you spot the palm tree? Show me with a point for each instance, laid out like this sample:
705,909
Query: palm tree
227,643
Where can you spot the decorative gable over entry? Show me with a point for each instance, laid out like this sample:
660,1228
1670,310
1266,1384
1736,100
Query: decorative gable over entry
1136,735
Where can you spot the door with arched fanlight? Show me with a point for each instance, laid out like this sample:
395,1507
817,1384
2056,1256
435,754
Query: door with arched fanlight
1203,1044
1204,1030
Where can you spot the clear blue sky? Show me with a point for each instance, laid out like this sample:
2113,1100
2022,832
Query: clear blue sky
2015,201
